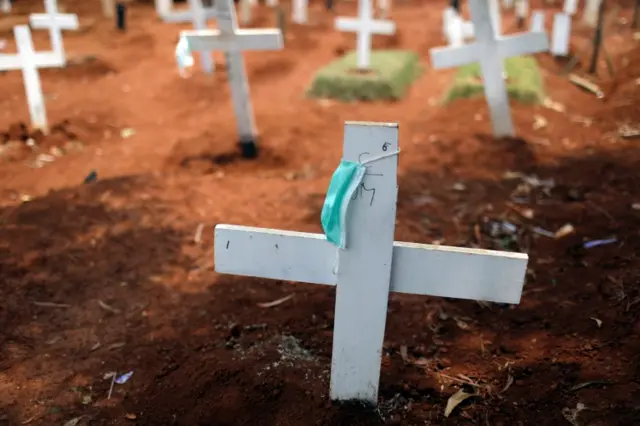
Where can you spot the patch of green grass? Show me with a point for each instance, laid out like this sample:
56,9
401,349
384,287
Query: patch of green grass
524,82
392,72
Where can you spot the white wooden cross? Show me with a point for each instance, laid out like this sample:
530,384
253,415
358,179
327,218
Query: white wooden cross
165,10
496,16
365,26
590,13
570,7
5,6
29,61
560,34
55,22
299,12
370,267
537,21
490,51
233,41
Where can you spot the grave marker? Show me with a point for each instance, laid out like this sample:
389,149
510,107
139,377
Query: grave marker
233,41
299,13
454,32
570,7
522,11
27,61
590,13
165,10
537,21
490,50
5,6
55,22
371,266
561,34
365,26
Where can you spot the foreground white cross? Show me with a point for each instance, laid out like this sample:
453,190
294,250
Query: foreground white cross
27,60
370,267
55,22
490,51
365,26
233,41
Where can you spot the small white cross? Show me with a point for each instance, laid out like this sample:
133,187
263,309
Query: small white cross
365,26
570,7
165,10
233,41
55,22
537,21
490,51
590,13
299,13
29,61
560,34
371,266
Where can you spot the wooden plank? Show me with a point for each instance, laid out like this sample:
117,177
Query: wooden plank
416,268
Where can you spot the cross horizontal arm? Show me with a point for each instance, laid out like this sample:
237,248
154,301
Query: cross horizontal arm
455,56
13,62
375,27
523,44
40,21
245,39
187,16
453,272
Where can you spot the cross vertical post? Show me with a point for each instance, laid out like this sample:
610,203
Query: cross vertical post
233,41
199,20
365,26
300,11
490,51
560,34
31,77
365,266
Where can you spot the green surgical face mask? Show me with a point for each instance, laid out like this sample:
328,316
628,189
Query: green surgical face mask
345,181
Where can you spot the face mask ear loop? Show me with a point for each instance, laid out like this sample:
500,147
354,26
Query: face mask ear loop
380,157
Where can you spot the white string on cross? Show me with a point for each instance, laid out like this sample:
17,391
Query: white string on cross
233,41
29,61
371,266
490,51
55,22
365,26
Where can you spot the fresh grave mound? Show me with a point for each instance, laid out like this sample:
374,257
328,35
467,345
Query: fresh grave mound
524,82
390,75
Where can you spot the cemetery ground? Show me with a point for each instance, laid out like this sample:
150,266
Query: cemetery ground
116,274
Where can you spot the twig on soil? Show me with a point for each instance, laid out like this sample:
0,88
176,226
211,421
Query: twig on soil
198,237
51,305
587,384
508,385
585,84
275,302
465,381
113,382
108,308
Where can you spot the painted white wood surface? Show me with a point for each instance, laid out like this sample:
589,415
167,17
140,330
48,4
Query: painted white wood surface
590,13
570,7
561,34
365,26
300,11
233,41
537,21
199,21
522,9
496,16
168,14
455,36
55,22
370,267
489,51
31,77
246,7
466,27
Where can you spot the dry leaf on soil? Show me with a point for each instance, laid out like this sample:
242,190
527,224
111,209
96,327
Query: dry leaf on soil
455,400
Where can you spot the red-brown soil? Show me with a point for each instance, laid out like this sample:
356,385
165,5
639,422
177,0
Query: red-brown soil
108,276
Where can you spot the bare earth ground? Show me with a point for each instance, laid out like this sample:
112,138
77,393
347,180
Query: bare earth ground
109,277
